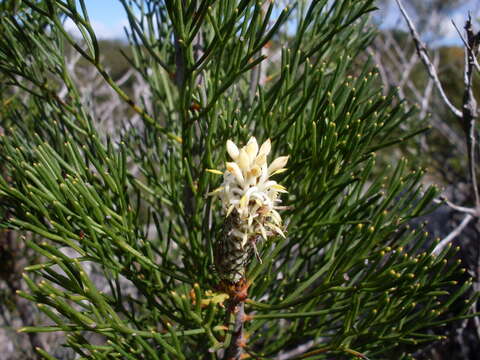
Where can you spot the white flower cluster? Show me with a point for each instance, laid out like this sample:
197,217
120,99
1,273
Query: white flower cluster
248,190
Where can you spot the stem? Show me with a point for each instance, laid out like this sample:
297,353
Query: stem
180,81
469,109
235,350
450,237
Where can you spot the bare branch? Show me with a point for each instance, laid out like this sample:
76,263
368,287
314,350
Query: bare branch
463,209
427,95
467,46
449,238
469,113
423,53
297,351
235,350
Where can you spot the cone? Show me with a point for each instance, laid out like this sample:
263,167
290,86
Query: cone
231,258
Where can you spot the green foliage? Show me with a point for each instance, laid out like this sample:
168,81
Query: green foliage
351,274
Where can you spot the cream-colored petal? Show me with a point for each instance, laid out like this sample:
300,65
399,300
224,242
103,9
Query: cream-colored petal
278,230
252,149
264,176
265,148
244,160
251,191
269,184
232,150
276,217
262,231
235,170
255,171
261,159
278,163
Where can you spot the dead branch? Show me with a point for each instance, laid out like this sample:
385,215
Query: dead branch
423,53
450,237
469,113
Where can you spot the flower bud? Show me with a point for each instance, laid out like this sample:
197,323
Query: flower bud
235,170
277,164
232,150
243,160
265,148
252,149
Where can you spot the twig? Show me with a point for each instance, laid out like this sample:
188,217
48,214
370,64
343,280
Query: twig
238,292
329,349
407,70
467,46
425,100
297,351
469,113
235,350
460,339
459,208
423,53
449,238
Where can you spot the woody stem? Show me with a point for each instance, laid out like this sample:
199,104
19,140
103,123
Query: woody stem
235,350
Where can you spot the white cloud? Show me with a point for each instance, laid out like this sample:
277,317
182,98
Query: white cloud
448,30
448,35
102,30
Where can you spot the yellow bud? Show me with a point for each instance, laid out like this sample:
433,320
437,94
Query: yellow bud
279,188
214,171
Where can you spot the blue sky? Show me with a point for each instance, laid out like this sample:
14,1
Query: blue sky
109,12
108,19
446,35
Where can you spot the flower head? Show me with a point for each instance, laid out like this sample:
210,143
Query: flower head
249,193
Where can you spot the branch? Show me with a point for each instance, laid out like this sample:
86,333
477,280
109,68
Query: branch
425,100
467,210
297,351
235,350
442,244
423,53
469,113
467,46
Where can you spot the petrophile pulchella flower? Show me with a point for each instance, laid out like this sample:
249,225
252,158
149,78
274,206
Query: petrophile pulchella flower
250,200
